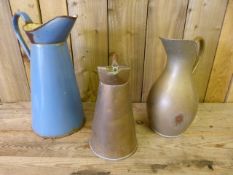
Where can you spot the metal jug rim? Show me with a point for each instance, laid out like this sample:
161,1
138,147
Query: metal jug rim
175,39
111,75
110,69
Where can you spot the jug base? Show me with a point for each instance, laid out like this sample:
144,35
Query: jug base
107,158
60,136
163,135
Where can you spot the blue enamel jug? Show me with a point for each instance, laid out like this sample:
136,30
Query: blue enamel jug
56,104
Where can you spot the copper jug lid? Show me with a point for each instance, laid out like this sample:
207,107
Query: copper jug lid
115,74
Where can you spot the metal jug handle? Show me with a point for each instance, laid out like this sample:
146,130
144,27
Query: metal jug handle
15,22
115,65
200,49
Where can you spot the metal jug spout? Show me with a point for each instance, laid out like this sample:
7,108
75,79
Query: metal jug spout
54,31
180,47
115,74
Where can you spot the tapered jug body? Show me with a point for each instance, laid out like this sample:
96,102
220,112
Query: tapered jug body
56,104
113,133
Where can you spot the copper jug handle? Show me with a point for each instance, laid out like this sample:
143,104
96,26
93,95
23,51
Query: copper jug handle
200,49
115,65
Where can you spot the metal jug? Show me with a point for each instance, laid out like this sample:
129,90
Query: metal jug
56,104
172,102
113,131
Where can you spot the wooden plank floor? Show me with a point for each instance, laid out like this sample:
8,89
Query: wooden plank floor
205,148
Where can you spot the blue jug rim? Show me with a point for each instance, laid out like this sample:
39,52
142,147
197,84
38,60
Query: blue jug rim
47,44
43,24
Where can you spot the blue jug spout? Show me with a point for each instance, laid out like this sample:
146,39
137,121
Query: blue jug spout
54,31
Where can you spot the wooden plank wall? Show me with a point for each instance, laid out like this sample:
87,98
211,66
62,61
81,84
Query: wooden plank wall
13,79
127,27
131,29
220,84
89,43
205,19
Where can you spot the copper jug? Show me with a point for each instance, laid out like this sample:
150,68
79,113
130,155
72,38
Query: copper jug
173,101
113,131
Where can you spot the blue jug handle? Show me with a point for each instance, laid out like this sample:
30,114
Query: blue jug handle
15,22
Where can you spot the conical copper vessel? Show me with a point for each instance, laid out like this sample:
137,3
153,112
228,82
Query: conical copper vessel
172,102
113,131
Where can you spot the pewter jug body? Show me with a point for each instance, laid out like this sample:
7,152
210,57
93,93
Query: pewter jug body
113,133
173,101
56,104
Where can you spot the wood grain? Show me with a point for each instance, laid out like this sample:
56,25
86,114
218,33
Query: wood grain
13,80
204,19
229,97
205,148
31,7
53,8
127,27
89,43
165,19
222,70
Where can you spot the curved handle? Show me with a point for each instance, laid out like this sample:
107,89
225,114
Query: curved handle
200,48
15,22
